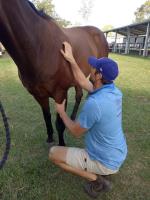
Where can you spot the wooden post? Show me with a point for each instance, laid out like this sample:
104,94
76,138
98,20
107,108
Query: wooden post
106,34
115,44
127,41
145,52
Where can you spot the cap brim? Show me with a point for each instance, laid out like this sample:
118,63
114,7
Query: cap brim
92,61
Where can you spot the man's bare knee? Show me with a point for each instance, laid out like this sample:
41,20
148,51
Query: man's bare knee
57,154
51,153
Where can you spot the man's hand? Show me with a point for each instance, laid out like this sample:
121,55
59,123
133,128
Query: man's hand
60,108
78,74
67,52
74,127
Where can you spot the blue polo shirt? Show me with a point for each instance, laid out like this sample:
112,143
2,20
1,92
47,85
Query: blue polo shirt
102,116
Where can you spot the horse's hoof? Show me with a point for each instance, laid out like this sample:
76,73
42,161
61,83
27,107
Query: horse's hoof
62,144
52,144
49,140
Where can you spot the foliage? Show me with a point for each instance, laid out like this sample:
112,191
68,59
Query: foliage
48,7
62,22
45,5
108,27
143,12
86,9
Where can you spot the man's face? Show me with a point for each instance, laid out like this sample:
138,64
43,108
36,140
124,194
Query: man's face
95,76
92,76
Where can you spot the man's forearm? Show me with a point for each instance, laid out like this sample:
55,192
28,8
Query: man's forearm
78,74
80,77
69,123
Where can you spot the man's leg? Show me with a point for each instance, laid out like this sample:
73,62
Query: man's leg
58,156
96,183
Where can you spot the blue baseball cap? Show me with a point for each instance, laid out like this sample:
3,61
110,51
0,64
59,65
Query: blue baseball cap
106,66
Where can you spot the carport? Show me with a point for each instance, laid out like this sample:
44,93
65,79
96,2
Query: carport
131,41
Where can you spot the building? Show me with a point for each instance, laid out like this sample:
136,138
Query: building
134,38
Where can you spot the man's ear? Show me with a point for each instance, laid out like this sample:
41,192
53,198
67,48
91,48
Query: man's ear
93,70
99,75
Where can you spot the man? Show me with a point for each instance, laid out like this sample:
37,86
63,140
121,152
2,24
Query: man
101,122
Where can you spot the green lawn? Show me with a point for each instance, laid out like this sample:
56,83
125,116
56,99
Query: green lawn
29,175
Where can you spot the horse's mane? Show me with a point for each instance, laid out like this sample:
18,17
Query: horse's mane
41,12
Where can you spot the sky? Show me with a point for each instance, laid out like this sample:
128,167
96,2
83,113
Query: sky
107,12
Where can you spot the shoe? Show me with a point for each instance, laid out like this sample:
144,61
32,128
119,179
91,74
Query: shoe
93,188
107,186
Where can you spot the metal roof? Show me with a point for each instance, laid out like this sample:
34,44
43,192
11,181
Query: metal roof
135,29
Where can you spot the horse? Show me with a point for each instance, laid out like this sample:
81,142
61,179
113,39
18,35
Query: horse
33,40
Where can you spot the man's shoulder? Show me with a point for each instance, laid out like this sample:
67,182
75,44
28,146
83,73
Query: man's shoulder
91,103
91,100
117,89
95,99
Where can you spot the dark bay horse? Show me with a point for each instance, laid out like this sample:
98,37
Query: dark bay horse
34,42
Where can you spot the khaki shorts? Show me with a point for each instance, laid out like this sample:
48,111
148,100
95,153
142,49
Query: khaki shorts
79,158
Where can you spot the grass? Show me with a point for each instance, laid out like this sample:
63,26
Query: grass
29,175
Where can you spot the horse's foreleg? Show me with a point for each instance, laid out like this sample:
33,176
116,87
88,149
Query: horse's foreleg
47,118
60,128
44,103
78,98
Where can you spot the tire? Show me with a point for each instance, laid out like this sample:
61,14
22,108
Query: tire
6,127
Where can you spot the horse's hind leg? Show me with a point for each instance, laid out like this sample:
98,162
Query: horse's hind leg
44,103
78,98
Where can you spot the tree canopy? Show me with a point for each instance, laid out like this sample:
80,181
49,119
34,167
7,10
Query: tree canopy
143,12
48,7
107,27
86,8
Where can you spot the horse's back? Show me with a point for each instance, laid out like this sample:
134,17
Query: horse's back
88,36
86,41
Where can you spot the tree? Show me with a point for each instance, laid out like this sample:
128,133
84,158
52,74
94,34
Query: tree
107,28
48,7
143,12
86,9
45,5
62,22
